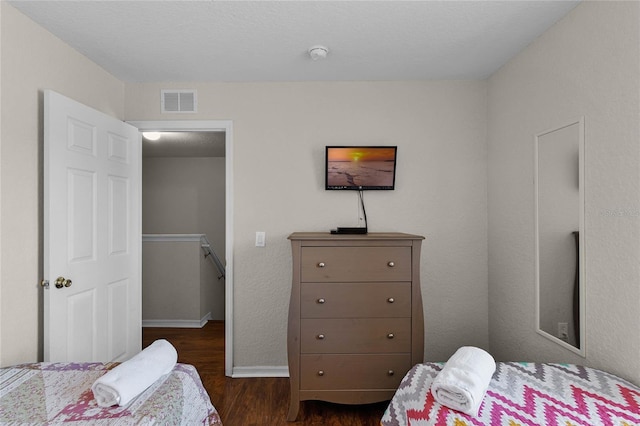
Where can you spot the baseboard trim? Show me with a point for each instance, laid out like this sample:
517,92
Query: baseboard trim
177,323
260,371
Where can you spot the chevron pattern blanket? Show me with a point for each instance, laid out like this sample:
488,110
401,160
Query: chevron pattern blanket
522,394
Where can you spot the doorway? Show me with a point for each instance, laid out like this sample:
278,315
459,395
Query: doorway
224,127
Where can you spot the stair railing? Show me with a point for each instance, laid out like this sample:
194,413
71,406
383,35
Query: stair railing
208,252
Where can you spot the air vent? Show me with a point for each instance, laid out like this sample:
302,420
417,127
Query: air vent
180,101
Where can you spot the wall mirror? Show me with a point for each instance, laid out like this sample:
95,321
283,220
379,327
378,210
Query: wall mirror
559,235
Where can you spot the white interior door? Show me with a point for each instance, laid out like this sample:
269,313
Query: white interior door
92,233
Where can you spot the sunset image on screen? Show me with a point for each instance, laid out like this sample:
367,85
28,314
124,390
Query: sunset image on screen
360,167
361,154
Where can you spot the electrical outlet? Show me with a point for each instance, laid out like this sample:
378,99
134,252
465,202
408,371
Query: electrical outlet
261,239
563,330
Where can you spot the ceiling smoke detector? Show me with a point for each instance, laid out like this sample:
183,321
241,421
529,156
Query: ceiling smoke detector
318,52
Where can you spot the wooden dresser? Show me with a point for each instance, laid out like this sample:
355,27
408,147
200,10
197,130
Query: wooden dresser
355,316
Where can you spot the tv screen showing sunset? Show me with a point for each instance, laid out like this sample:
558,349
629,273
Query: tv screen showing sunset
361,167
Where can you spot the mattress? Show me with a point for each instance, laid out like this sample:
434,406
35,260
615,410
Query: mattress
522,394
60,393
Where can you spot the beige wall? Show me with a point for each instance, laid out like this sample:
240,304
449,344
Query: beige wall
186,196
280,131
33,60
179,285
171,280
587,65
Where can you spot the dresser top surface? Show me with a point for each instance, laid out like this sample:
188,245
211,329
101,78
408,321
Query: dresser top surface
360,237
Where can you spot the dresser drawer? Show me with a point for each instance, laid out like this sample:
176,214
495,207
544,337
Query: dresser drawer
326,264
361,335
354,300
369,371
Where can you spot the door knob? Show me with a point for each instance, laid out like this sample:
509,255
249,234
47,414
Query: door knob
63,282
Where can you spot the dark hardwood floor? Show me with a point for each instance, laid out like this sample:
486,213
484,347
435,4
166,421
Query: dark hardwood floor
252,401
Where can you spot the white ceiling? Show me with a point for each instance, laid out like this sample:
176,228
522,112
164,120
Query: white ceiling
178,40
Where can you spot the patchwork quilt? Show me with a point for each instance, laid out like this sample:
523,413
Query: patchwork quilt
522,394
60,393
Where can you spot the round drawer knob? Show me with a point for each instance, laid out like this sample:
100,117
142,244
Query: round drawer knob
320,337
321,300
391,300
391,264
391,372
321,265
390,336
320,373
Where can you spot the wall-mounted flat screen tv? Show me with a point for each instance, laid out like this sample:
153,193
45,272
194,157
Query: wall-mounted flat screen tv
360,168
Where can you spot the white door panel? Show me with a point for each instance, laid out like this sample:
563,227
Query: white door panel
91,234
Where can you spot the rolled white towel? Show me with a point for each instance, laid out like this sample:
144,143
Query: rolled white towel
127,380
464,380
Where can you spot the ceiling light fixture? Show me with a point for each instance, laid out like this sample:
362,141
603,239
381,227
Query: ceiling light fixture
318,52
152,136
